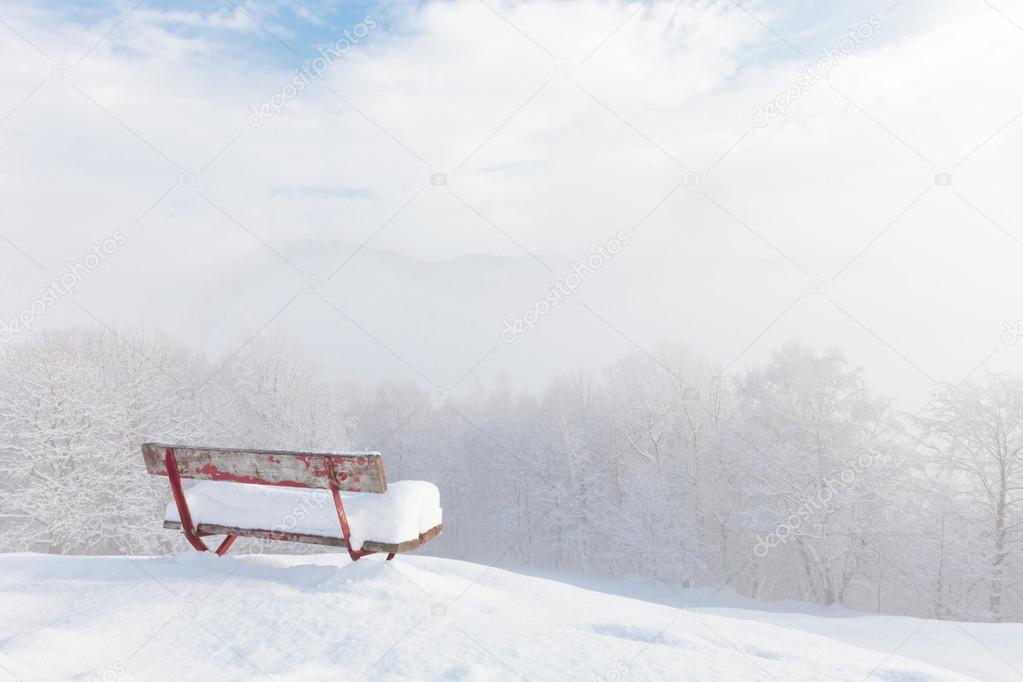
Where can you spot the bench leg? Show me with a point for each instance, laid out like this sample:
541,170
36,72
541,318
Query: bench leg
390,556
226,544
345,532
187,527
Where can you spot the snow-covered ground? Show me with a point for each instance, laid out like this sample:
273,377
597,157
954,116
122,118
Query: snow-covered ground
197,617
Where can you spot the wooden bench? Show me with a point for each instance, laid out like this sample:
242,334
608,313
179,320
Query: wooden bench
337,472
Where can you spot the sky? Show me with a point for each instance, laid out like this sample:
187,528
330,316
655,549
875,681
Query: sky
397,185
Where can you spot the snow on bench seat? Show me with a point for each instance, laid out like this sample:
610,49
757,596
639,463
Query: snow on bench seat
401,514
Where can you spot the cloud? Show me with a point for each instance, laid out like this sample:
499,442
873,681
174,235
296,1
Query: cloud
532,132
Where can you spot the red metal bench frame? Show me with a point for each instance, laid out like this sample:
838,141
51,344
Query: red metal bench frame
334,468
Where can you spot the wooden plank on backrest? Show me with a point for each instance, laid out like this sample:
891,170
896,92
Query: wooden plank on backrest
355,472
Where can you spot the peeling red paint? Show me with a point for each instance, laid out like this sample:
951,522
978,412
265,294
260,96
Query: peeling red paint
306,459
298,470
212,473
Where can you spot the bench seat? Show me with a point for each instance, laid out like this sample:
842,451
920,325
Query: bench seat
400,519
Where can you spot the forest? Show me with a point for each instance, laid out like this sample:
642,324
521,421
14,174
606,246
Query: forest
789,480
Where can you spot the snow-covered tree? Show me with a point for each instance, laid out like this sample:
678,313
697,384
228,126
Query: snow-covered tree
74,407
793,480
977,434
818,456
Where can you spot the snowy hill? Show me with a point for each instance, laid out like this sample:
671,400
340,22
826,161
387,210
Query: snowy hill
420,618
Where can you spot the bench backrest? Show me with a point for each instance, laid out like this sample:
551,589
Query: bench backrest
354,472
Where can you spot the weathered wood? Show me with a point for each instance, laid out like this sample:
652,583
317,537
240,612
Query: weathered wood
406,546
331,541
353,472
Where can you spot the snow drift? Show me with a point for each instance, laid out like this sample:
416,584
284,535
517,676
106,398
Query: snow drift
419,618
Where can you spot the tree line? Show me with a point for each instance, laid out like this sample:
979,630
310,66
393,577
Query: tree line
790,480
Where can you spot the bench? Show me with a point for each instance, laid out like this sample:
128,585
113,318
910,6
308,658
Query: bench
333,499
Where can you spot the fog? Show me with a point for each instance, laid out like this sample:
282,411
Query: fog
778,178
